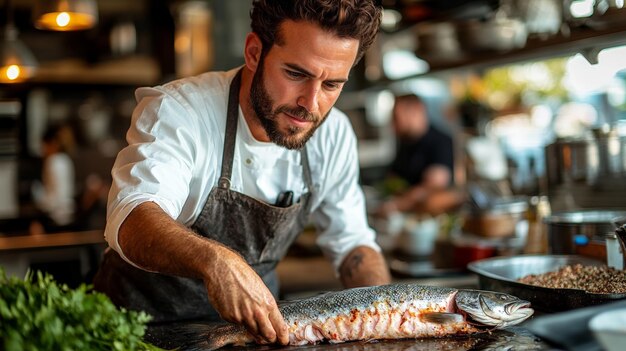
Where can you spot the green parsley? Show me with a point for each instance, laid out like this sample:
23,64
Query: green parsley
37,313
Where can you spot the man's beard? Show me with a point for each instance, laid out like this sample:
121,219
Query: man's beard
262,103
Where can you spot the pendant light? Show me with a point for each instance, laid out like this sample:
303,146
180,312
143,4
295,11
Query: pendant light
65,15
17,63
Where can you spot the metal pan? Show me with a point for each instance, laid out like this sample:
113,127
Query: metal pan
501,274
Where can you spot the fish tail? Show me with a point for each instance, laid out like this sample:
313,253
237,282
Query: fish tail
212,337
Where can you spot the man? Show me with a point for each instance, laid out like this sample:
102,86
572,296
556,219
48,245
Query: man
54,196
424,160
224,169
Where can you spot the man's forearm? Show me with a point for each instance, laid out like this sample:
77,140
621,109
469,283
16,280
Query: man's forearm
410,198
364,266
154,241
436,178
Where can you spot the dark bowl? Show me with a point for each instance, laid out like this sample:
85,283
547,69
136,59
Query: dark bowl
501,274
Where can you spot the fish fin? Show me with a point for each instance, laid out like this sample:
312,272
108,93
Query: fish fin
442,317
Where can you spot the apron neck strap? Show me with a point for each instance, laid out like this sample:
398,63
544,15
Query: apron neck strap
232,115
308,180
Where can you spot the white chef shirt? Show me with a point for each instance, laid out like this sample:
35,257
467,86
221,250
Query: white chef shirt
56,195
174,156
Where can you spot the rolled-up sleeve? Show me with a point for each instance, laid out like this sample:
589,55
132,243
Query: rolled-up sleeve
341,218
157,164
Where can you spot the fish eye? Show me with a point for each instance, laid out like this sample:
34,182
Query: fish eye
503,297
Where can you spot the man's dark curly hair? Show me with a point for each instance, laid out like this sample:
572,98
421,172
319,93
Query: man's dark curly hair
356,19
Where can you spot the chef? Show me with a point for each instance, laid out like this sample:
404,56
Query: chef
223,170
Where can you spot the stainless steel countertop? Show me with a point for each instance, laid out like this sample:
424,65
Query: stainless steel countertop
173,336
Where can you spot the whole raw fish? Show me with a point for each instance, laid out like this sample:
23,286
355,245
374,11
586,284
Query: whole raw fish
386,312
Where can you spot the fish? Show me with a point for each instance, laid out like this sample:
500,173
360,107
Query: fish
395,311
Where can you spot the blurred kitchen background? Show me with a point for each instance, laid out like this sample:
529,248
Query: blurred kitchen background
533,93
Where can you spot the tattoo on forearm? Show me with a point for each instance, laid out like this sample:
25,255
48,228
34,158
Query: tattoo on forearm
352,265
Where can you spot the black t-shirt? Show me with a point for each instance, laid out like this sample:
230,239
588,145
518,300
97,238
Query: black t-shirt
413,157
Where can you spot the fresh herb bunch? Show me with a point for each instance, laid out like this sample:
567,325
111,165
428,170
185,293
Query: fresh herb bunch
37,313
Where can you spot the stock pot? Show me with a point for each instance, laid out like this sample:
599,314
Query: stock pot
567,229
587,172
587,160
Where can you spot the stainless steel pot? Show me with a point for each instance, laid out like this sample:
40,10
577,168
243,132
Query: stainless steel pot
498,34
504,217
567,229
589,171
586,159
438,41
567,161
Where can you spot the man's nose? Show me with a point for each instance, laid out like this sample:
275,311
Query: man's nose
309,98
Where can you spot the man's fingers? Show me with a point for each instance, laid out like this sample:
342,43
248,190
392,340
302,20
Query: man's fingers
278,323
266,330
243,298
252,327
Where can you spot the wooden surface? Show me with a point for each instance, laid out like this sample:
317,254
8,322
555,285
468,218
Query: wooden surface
25,242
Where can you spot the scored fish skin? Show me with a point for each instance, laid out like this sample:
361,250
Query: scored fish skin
389,312
386,312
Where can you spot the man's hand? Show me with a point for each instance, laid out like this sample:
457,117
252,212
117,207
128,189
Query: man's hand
154,241
240,296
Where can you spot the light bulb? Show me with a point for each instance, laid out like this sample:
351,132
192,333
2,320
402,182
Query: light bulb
65,15
13,72
63,19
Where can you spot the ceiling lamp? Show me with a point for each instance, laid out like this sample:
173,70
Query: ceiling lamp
65,15
17,63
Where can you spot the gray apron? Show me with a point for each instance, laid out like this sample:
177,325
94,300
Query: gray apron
260,232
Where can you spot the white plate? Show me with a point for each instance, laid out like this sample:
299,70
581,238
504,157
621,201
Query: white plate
609,328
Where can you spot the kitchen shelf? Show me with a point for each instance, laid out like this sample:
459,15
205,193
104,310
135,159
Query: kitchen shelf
132,71
587,38
579,40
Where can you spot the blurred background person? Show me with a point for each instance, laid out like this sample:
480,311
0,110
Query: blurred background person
54,195
423,166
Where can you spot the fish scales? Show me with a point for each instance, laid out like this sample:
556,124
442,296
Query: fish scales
365,298
368,313
386,312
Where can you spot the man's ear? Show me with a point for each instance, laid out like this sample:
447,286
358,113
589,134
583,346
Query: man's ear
252,51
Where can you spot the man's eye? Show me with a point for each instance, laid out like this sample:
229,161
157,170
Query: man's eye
293,74
332,86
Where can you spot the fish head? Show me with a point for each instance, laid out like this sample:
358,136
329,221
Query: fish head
492,308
